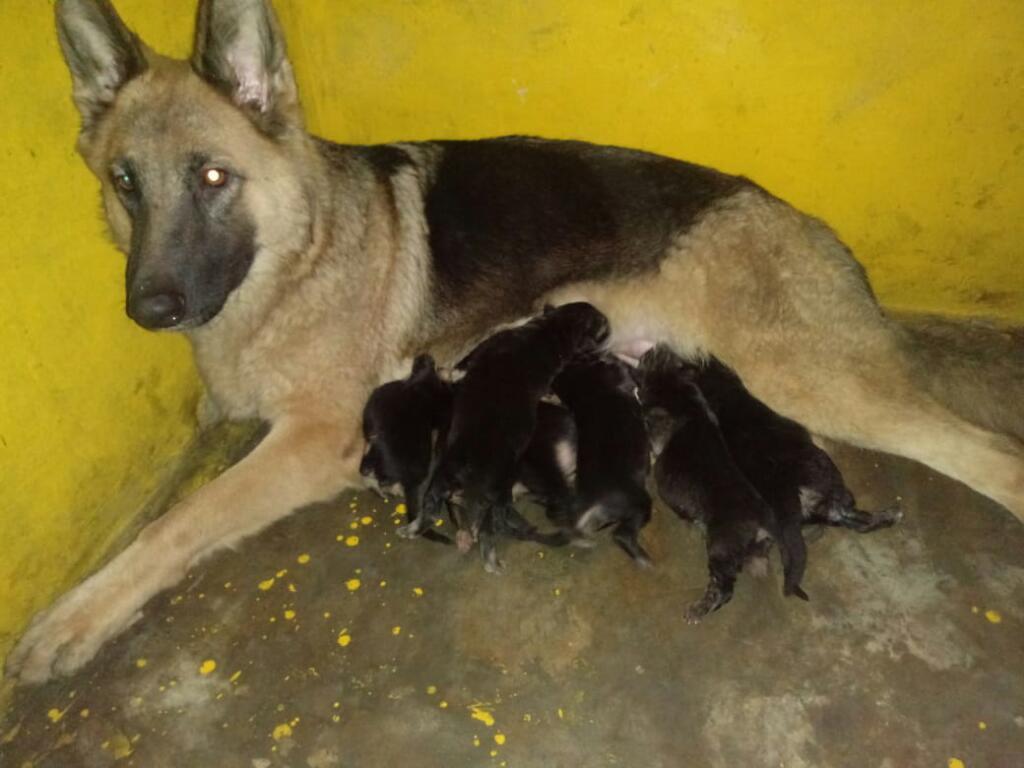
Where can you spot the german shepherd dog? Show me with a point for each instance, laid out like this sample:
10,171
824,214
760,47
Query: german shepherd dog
697,477
493,421
304,273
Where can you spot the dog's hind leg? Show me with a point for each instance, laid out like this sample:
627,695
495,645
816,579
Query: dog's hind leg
298,463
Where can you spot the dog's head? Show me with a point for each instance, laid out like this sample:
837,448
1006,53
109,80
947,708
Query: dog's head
196,159
399,424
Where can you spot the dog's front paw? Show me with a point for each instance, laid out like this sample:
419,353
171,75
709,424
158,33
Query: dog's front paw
63,638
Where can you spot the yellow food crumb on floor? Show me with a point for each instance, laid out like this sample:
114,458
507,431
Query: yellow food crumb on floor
227,585
481,714
344,638
974,609
431,690
383,583
499,739
527,718
443,705
365,519
400,509
561,714
302,559
982,725
207,667
353,584
280,574
557,592
55,715
494,753
235,676
993,616
955,763
336,718
354,525
84,713
283,731
140,663
396,631
352,541
289,614
476,741
291,588
266,584
418,591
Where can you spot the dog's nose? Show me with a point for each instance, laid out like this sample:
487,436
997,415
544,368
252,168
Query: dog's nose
157,308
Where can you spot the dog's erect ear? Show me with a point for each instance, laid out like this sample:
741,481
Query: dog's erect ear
101,52
239,49
423,365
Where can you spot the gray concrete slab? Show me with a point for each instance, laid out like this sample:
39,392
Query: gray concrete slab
909,654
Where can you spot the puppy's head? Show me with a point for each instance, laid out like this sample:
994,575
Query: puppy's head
583,325
399,424
662,376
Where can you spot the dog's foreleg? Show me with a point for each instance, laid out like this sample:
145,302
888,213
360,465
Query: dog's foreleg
298,463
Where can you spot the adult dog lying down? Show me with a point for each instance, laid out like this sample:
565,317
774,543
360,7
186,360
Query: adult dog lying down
304,273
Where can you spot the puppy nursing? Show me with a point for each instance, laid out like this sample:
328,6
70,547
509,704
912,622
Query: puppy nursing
746,475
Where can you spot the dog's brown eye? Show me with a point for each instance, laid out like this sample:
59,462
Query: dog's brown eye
124,182
215,177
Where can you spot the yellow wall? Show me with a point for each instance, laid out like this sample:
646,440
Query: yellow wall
91,408
902,123
899,122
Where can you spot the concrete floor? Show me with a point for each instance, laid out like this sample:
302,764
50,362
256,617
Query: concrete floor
909,654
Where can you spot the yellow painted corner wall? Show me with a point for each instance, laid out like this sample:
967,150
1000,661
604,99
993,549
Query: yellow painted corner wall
91,408
901,123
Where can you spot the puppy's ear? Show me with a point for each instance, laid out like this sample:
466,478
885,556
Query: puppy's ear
423,365
101,52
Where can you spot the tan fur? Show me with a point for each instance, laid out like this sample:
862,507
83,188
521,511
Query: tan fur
777,297
336,301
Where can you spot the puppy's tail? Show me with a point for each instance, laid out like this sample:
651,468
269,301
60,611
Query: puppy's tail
793,550
972,366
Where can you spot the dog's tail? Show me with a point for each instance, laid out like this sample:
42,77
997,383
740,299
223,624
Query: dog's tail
974,367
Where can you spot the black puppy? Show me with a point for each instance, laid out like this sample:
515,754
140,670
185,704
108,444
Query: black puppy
494,416
798,479
405,420
402,422
697,477
613,455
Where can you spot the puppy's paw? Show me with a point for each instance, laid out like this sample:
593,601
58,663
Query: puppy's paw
494,566
408,531
464,541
